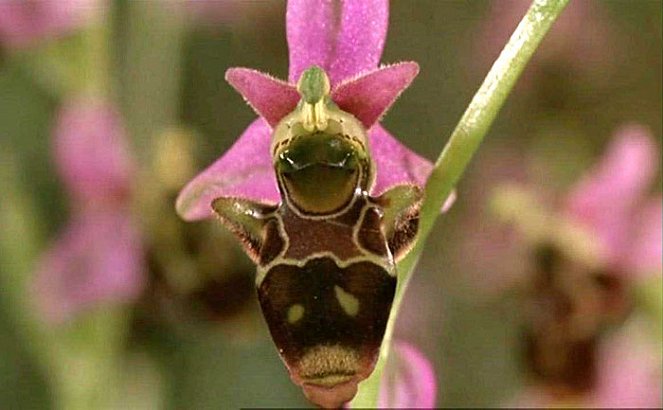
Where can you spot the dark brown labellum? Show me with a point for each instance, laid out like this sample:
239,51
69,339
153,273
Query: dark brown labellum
328,322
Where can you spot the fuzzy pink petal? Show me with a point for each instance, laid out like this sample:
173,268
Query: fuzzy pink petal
24,22
605,198
370,95
396,164
345,37
629,373
271,98
91,151
244,171
97,259
409,380
645,257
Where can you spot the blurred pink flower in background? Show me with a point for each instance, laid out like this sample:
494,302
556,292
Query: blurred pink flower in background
612,202
629,370
92,153
603,241
628,375
501,256
98,258
579,42
25,22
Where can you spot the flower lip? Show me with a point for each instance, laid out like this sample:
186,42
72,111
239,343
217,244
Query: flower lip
330,379
333,381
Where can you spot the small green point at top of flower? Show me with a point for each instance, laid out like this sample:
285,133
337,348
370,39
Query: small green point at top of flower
313,85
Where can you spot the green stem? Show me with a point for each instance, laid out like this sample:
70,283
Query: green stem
147,68
96,59
458,152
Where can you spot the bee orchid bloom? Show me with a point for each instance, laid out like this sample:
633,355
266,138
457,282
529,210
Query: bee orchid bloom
346,40
324,200
98,257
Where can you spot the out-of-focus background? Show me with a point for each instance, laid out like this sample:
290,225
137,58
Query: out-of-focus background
170,319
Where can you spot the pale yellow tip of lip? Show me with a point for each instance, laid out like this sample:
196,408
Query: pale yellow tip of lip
331,397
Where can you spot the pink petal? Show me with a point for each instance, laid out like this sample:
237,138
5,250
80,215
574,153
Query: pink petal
244,171
271,98
604,199
370,95
396,164
24,22
646,250
629,373
343,37
91,151
97,259
409,380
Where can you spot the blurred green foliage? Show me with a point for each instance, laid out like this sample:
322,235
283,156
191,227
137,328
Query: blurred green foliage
472,339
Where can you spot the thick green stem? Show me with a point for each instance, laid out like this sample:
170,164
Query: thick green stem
147,68
458,152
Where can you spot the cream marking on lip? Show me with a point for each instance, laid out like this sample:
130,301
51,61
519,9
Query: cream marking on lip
295,313
261,272
387,263
348,302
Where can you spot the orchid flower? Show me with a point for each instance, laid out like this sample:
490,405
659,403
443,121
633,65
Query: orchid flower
605,239
24,22
345,40
98,258
628,375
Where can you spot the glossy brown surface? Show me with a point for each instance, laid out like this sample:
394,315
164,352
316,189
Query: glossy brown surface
351,341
